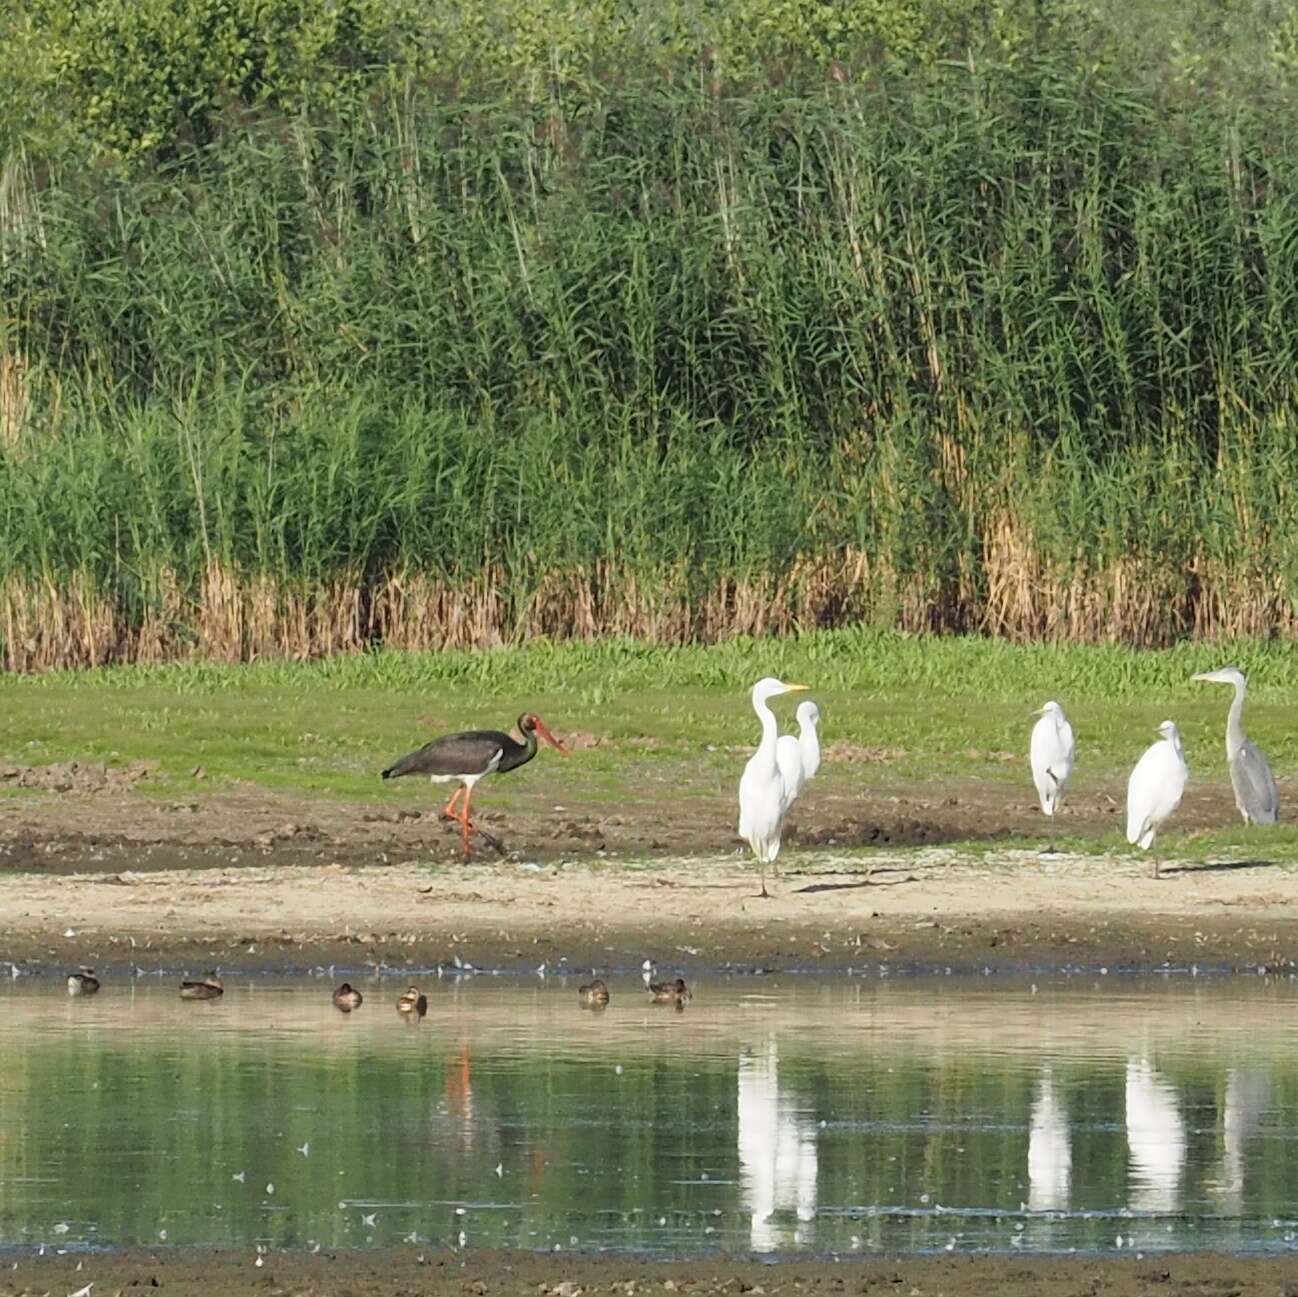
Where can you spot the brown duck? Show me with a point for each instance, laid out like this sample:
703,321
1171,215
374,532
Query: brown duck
207,988
83,983
413,1002
670,992
594,995
347,998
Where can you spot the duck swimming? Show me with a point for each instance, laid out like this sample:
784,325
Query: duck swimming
208,988
670,992
594,995
413,1002
347,998
83,983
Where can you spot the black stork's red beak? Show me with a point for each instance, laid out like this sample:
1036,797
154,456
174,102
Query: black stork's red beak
539,725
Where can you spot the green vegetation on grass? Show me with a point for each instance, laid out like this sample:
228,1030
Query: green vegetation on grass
677,720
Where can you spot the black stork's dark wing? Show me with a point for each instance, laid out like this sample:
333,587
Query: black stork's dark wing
474,752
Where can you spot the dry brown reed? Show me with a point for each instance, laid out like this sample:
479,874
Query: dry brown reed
1141,601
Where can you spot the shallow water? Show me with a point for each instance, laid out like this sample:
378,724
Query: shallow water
773,1115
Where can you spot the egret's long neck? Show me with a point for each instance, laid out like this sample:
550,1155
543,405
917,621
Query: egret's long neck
770,733
809,742
1235,722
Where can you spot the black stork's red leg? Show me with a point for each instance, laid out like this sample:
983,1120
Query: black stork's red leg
447,812
465,826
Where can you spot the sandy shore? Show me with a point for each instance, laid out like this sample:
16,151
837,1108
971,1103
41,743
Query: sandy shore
178,906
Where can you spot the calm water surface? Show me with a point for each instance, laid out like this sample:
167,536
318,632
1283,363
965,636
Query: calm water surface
771,1116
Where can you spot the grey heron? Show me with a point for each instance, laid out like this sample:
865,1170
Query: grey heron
1250,775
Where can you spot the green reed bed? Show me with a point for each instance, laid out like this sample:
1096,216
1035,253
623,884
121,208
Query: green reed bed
996,348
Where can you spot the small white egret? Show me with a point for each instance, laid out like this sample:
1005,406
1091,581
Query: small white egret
1155,786
1052,751
809,738
799,758
1250,775
763,798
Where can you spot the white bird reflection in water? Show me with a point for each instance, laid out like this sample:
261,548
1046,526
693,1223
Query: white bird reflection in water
777,1154
1155,1139
1050,1155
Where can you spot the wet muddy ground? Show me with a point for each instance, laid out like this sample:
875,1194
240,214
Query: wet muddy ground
406,1272
75,802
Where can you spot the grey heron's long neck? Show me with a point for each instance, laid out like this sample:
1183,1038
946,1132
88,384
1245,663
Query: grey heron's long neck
770,733
1235,723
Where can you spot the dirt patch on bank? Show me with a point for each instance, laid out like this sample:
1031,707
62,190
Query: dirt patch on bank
76,804
253,879
406,1272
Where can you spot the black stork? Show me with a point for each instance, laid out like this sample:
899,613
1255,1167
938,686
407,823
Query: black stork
472,755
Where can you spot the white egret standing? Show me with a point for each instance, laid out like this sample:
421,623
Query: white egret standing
1155,787
1250,775
799,758
809,738
763,797
1052,751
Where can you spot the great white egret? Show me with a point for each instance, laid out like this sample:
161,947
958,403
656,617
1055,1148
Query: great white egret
1155,786
1051,750
799,758
763,798
1250,775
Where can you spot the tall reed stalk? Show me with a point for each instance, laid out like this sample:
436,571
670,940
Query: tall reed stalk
1001,350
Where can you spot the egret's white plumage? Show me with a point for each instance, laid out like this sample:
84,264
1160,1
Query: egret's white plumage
799,758
788,756
1155,786
763,795
809,738
1250,773
1050,1154
1052,751
1156,1140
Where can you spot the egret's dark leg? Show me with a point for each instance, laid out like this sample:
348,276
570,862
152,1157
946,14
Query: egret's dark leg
1054,810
